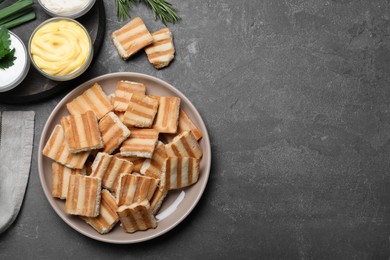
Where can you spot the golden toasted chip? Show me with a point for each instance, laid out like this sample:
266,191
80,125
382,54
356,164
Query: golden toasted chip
60,179
83,197
157,200
57,149
180,172
93,99
161,52
108,168
113,131
107,217
137,216
135,188
185,124
141,143
184,145
131,38
136,161
156,165
123,92
167,115
141,111
82,132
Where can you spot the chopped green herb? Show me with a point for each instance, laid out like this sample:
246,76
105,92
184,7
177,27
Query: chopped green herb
7,55
5,42
8,60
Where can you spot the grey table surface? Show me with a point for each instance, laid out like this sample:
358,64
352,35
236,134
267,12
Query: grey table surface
296,98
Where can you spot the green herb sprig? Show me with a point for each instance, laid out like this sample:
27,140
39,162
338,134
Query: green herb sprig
161,10
122,8
7,55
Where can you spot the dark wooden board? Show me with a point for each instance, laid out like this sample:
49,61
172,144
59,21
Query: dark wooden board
36,87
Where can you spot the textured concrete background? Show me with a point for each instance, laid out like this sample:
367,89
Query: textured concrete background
295,95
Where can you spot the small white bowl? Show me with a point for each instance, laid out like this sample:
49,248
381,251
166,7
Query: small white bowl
54,8
14,75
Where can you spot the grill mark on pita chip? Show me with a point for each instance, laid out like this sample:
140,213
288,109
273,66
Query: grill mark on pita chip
142,114
123,92
131,38
57,149
135,188
137,216
184,145
165,182
161,52
93,99
167,117
156,165
180,172
89,99
141,143
113,132
185,124
107,217
108,168
187,148
60,179
193,174
81,132
141,111
136,161
83,196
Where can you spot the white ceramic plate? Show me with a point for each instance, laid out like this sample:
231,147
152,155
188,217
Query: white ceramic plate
175,207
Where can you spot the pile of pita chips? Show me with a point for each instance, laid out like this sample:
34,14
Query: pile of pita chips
116,158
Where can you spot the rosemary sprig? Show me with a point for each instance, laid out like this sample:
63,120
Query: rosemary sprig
122,8
161,10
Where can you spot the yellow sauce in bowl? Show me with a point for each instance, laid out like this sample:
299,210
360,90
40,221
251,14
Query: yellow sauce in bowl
60,47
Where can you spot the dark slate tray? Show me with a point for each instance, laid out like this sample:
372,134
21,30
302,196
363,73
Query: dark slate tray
36,87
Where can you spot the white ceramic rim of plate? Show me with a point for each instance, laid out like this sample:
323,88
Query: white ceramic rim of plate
206,149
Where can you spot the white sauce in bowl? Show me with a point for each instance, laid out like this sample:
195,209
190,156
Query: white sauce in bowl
12,76
64,6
